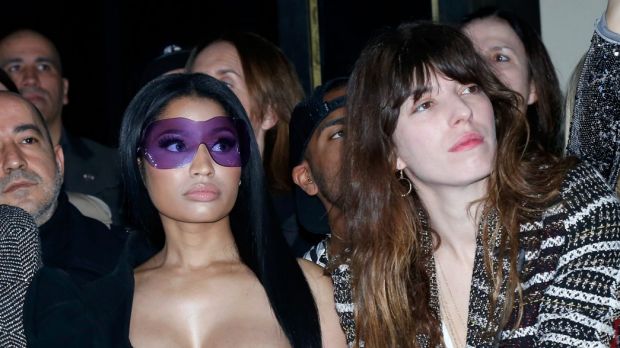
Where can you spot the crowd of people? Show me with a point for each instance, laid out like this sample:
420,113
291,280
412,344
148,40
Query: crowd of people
438,195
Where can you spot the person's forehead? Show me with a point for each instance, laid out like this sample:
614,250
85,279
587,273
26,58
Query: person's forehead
191,107
15,111
328,121
28,44
219,55
492,31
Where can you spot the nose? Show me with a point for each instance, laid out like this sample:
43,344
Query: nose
202,164
13,159
461,111
29,76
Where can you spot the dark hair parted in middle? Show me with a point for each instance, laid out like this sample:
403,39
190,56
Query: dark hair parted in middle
545,116
260,244
384,234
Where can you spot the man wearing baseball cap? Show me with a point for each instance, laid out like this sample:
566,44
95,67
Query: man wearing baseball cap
316,142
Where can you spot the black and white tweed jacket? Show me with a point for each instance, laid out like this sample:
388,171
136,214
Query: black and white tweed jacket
570,273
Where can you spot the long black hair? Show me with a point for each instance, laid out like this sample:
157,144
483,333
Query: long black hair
261,245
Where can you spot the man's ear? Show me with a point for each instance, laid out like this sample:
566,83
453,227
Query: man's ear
65,93
303,178
270,119
59,156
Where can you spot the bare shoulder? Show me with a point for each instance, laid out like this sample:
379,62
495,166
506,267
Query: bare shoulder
320,282
321,286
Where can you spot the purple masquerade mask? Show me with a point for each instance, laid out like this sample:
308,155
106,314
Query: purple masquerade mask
173,142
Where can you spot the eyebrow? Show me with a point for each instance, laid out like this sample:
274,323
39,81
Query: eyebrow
47,60
501,48
51,61
323,126
228,71
26,127
12,60
181,131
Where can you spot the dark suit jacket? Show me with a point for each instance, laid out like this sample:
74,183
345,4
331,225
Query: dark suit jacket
93,169
59,313
82,246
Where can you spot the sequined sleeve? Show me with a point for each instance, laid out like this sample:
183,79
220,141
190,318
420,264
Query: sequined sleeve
595,127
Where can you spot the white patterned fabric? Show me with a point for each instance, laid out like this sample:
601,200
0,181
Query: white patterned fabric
20,259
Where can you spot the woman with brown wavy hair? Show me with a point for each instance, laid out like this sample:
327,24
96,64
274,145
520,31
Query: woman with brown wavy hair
453,236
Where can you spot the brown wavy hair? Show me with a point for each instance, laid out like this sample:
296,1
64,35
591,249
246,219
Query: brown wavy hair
272,84
383,239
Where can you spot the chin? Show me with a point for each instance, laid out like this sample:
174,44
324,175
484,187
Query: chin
201,217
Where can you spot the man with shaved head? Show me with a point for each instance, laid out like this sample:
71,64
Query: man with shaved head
33,62
32,177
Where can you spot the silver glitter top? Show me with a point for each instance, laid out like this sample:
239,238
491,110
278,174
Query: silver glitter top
595,128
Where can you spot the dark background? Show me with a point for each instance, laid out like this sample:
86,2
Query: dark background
105,44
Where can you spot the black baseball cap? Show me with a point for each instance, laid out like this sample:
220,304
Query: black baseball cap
305,118
172,57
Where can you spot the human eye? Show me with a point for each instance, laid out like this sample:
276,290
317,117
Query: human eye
500,58
224,144
11,68
44,67
172,144
471,89
228,82
338,134
423,106
30,140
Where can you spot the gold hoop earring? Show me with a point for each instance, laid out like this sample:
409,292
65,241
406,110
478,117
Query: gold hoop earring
401,178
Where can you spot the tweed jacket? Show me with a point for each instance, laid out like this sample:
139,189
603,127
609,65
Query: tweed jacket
569,269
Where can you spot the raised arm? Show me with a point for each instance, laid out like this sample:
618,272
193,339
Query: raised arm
595,129
612,15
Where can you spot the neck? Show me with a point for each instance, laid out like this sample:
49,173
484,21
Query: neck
197,245
454,215
336,221
55,128
334,216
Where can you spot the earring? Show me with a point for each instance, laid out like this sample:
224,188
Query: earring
239,182
401,178
310,180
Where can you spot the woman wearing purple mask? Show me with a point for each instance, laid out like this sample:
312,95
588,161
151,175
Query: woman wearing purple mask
208,267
